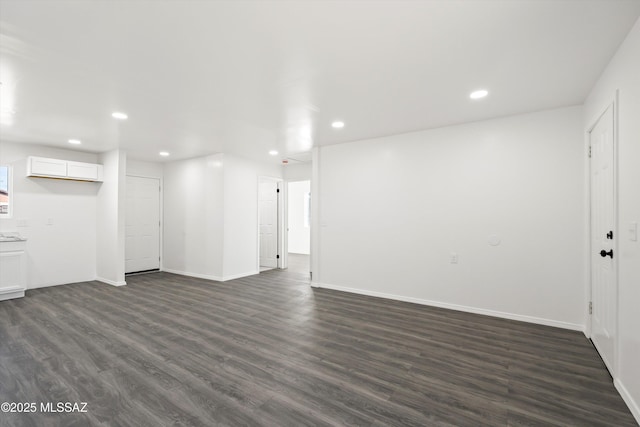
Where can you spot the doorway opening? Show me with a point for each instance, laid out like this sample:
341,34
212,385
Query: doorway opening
299,226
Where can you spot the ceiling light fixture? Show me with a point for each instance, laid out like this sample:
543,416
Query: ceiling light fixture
337,125
273,152
120,116
478,94
75,141
164,153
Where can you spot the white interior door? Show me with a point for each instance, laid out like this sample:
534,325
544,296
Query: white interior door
603,257
142,247
268,215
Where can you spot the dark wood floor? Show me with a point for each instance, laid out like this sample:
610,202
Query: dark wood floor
269,350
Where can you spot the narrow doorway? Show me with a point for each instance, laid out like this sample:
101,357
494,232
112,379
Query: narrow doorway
268,214
299,226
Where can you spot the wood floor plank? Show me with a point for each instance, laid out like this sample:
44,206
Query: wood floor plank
270,350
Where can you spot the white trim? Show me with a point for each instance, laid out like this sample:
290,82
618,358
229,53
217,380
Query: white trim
634,407
238,276
111,282
209,276
11,293
468,309
11,289
196,275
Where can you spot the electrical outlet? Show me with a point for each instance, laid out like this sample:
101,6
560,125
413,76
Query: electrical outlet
453,258
49,221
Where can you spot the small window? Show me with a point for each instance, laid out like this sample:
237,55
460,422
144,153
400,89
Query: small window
5,189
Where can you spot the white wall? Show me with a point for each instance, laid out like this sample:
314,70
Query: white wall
623,73
110,224
211,216
144,169
297,172
392,210
299,236
65,251
241,214
193,216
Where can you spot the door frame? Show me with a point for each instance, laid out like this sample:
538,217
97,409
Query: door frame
286,218
280,224
613,103
160,213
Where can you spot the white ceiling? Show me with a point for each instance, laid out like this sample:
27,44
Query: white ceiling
198,77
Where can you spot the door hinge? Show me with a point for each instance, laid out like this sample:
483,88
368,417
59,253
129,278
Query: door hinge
277,256
277,190
589,151
590,307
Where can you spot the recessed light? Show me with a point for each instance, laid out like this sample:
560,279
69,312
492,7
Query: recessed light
479,94
337,125
120,116
164,153
75,141
273,152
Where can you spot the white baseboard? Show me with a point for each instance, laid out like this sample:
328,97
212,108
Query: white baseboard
238,276
196,275
626,396
111,282
11,293
468,309
210,277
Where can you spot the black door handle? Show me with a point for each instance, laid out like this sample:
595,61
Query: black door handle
604,253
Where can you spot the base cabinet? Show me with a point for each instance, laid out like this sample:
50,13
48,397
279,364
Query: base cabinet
13,270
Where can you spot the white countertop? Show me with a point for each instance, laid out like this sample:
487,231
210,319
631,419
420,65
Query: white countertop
11,237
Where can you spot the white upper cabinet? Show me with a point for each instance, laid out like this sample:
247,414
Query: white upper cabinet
84,171
40,166
63,169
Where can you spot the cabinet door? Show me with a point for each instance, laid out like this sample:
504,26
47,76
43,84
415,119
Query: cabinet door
47,167
11,270
84,171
